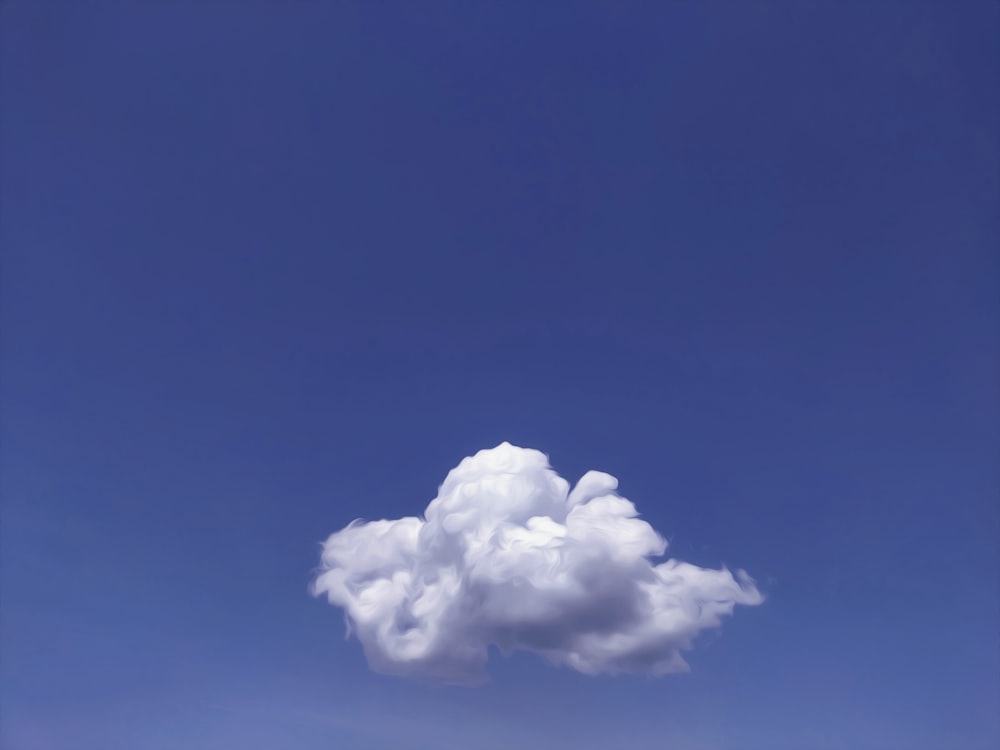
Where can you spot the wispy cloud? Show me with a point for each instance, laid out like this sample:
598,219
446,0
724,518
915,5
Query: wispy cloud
509,555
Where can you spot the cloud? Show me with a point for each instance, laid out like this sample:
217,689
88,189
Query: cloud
508,555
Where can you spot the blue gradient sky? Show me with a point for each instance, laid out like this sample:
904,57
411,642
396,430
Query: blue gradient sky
269,267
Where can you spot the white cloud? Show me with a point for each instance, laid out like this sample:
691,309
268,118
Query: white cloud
507,555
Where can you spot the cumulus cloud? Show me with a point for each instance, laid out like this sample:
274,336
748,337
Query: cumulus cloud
508,555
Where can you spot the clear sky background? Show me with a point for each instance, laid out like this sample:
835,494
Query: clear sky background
268,267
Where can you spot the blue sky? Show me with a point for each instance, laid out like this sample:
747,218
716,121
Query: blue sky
267,269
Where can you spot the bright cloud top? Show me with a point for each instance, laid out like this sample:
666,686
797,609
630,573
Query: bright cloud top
508,555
